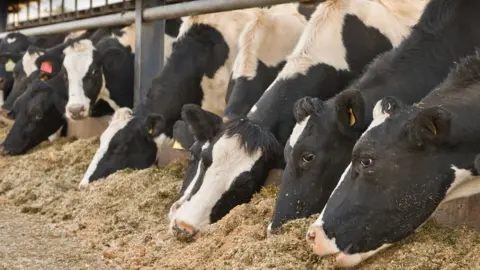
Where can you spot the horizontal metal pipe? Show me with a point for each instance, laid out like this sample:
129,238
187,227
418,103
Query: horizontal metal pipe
151,14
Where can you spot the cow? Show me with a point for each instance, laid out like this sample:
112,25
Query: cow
320,145
197,71
12,48
38,111
410,160
28,131
339,40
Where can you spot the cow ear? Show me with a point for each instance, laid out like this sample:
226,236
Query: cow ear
429,125
182,134
204,125
350,109
113,58
306,106
155,124
387,106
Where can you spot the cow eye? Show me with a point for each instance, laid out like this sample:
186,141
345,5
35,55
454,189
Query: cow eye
366,162
309,157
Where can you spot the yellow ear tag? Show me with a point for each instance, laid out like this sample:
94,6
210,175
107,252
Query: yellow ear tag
434,130
177,145
225,119
150,131
352,117
9,65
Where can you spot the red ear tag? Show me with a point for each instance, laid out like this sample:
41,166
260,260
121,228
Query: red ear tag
46,67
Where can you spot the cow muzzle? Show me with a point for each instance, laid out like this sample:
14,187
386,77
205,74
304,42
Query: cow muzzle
320,242
184,231
76,111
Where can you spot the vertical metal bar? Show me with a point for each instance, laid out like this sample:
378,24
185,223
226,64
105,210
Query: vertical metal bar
50,11
76,8
3,16
28,10
63,9
38,9
148,49
138,52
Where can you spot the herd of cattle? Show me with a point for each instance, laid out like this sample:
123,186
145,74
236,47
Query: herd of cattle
369,106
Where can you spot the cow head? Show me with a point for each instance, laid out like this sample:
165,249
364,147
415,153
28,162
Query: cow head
128,142
312,172
38,111
85,67
21,75
403,167
226,168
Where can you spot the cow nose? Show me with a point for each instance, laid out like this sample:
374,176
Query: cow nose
184,231
319,241
3,151
76,110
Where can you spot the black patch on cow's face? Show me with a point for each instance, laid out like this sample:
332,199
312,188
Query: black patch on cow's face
14,43
243,92
131,147
37,115
434,45
199,52
172,27
401,170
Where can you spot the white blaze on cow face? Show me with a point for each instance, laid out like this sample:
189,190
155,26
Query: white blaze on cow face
28,62
78,58
189,189
214,91
229,160
128,37
119,120
11,40
297,131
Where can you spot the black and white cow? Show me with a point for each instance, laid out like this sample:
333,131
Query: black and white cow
26,67
320,146
407,163
29,131
339,40
263,50
100,77
12,48
197,71
39,110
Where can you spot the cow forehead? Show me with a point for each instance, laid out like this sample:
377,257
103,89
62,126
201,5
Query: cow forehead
78,58
228,153
297,131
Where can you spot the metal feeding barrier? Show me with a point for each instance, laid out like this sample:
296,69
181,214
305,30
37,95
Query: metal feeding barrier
148,15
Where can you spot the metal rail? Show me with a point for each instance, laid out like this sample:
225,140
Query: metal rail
151,14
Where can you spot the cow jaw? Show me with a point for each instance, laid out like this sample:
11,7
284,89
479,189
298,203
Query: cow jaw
229,160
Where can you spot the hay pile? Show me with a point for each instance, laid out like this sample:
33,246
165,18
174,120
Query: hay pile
124,218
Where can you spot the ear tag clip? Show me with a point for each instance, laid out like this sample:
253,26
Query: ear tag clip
150,131
352,117
9,65
225,119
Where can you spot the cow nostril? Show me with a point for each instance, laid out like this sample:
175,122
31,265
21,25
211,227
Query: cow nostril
76,109
311,236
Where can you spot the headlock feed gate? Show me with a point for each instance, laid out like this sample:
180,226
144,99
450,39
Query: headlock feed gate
37,17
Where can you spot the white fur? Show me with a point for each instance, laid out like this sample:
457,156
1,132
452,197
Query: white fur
264,39
297,131
119,120
168,43
190,187
230,24
229,161
464,185
1,97
78,59
350,260
28,62
75,34
11,40
128,37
